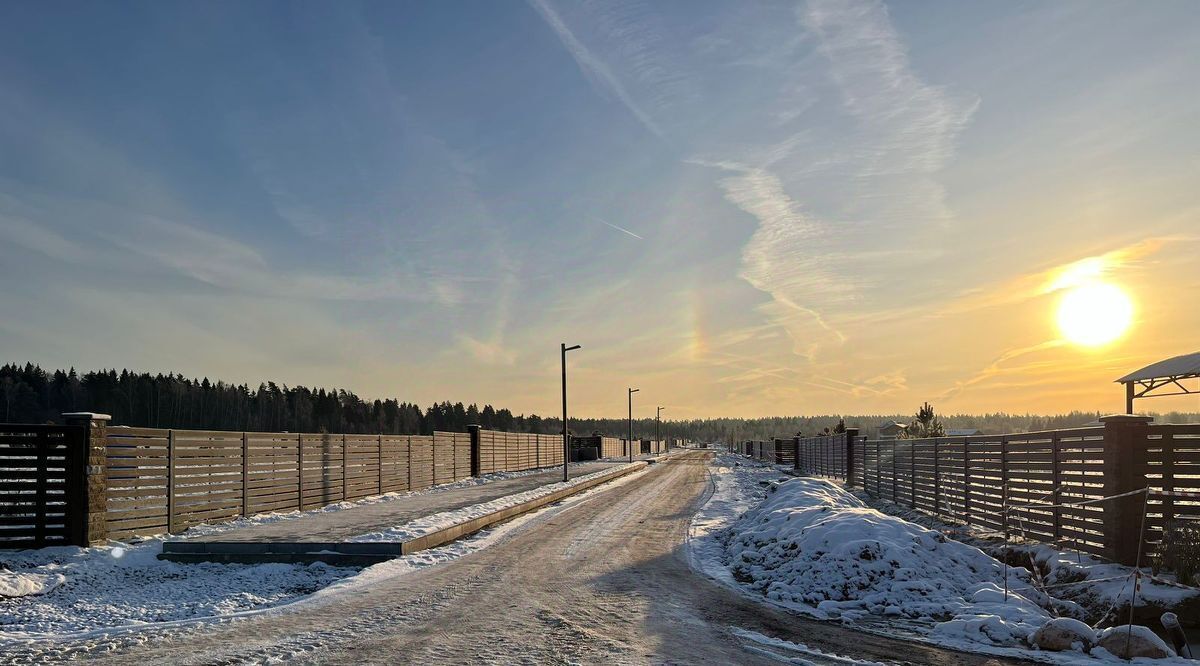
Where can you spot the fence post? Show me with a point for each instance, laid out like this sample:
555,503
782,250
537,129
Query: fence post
1125,457
895,481
300,472
851,435
937,481
91,524
379,482
473,431
170,482
912,474
966,481
796,453
1055,482
245,475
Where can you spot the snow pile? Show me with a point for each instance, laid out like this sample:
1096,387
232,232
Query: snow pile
812,543
18,584
738,484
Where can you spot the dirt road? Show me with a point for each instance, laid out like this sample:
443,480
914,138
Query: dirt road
602,580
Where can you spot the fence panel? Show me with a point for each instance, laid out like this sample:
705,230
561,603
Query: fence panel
206,477
137,461
421,462
41,491
1173,466
323,470
272,472
394,473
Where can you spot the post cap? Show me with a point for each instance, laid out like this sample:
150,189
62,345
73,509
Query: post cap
1126,419
86,416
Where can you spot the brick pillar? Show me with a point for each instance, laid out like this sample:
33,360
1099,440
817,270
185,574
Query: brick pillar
851,436
476,465
93,523
1125,446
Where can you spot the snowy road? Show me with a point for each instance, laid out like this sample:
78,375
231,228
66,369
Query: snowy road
601,580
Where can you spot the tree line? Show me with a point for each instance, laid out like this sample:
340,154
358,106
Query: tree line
29,394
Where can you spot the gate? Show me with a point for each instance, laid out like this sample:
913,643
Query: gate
41,485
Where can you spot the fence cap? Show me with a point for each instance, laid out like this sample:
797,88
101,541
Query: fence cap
1126,418
86,416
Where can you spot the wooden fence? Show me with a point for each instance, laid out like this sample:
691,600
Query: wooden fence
87,482
1076,487
514,452
168,480
41,486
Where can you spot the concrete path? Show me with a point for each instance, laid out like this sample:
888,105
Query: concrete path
339,525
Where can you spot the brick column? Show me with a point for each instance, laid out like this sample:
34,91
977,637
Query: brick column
1125,443
94,519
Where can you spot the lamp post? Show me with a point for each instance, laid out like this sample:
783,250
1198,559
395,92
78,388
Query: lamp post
566,436
631,392
657,424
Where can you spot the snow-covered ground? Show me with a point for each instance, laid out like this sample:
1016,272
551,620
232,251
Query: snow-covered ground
808,545
72,592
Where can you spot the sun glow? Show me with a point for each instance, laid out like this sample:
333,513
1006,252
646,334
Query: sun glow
1094,314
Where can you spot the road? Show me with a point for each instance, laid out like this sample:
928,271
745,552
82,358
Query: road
601,580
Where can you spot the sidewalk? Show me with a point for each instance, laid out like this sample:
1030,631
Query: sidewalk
342,524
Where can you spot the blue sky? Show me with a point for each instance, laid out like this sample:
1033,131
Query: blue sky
743,208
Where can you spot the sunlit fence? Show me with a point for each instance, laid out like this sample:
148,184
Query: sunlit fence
88,482
1085,488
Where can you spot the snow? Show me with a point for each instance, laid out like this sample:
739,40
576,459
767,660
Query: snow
18,584
438,521
810,542
782,650
814,548
106,586
125,587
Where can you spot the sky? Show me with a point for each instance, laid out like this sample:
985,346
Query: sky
741,208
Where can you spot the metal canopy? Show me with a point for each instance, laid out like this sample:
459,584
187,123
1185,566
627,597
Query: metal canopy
1168,375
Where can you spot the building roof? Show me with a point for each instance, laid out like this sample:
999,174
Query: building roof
1187,365
962,432
891,424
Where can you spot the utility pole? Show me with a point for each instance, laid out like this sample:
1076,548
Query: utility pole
631,392
566,435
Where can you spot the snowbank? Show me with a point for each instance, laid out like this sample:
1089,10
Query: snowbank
812,543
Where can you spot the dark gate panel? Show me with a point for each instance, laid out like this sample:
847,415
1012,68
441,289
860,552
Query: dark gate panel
41,485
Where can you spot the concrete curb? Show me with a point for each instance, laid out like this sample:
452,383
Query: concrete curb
366,553
448,534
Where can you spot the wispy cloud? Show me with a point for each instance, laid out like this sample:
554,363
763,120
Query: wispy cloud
593,67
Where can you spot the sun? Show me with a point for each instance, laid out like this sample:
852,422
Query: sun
1094,314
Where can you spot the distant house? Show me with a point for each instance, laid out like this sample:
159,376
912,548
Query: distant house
962,432
891,429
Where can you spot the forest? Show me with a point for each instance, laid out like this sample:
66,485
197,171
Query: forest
30,394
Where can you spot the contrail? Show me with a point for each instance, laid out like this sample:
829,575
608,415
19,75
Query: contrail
623,229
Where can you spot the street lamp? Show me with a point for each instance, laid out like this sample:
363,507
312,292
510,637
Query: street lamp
566,437
657,423
631,392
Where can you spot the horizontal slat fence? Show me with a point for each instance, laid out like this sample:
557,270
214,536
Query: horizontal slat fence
515,452
974,479
161,480
1076,488
41,492
1173,466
